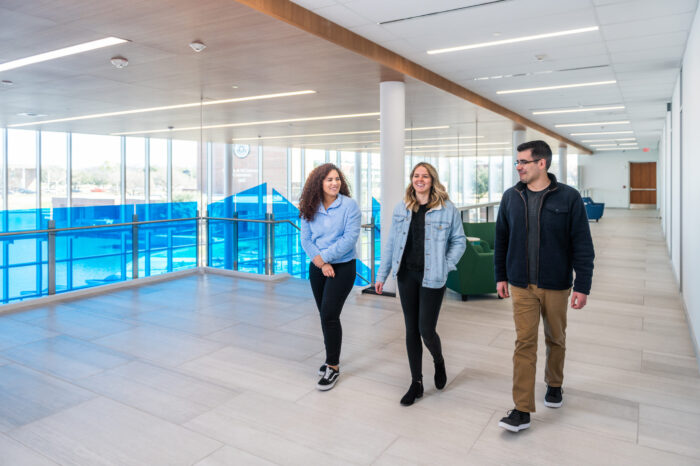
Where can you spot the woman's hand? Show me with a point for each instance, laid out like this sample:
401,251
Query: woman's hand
328,271
378,287
318,262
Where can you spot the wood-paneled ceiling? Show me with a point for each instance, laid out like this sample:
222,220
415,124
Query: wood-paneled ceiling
245,48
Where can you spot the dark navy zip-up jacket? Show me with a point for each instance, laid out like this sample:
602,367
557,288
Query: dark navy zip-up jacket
565,239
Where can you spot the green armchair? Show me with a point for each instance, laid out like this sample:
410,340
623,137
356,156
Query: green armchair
475,270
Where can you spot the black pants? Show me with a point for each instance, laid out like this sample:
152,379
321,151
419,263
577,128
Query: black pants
330,294
421,307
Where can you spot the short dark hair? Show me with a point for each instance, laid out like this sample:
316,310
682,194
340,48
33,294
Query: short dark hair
540,150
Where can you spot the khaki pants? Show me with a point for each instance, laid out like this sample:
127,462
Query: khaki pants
528,303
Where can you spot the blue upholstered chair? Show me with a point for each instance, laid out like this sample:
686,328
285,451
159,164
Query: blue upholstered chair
594,210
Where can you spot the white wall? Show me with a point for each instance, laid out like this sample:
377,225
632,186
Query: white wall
690,188
675,187
606,175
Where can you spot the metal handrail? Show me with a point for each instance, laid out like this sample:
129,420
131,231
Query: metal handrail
51,232
477,206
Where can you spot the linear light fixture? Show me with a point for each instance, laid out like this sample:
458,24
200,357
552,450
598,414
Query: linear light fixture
250,123
167,107
609,140
514,40
618,148
447,137
605,145
562,86
578,110
338,143
461,145
601,132
470,149
64,52
371,131
598,123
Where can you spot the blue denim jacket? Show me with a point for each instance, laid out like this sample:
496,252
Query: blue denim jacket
445,243
333,233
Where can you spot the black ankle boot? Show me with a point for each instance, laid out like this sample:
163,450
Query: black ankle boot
440,375
414,392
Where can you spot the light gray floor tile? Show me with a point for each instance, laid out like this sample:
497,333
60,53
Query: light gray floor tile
80,324
101,432
160,345
67,357
13,453
14,333
675,431
228,455
164,393
27,395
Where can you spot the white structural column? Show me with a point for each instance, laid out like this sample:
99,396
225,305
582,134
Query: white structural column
561,176
392,121
518,138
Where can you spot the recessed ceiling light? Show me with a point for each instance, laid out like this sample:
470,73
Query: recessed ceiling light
601,132
514,40
167,107
599,123
6,83
234,87
577,110
64,52
31,114
250,123
609,140
371,131
562,86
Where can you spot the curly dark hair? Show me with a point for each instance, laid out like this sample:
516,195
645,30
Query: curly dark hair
312,194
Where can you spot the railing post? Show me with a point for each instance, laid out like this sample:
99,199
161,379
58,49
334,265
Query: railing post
207,236
235,242
196,239
270,244
51,259
372,251
135,247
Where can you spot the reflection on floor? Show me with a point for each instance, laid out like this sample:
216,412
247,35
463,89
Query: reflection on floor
211,370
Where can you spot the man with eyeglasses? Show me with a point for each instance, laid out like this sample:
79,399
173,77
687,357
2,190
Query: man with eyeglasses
542,237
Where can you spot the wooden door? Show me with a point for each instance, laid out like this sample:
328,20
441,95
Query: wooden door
643,183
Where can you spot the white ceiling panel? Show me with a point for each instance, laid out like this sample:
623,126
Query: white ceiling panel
636,10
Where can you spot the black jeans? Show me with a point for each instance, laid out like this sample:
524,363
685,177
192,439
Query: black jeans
330,294
421,307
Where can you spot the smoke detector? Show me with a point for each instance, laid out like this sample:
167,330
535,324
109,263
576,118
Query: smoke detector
119,62
197,46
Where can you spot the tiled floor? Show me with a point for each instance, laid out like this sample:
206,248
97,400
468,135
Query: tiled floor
211,370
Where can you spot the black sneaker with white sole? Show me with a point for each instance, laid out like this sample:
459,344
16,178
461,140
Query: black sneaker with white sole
515,421
553,398
330,377
322,369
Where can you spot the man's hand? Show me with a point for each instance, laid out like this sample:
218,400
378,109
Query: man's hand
378,287
578,300
502,288
328,271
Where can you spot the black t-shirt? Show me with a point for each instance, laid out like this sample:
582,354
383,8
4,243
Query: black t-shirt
534,201
414,252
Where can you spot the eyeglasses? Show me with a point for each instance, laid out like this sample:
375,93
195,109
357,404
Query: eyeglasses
524,162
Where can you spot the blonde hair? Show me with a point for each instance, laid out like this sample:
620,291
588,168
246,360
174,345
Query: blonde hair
438,193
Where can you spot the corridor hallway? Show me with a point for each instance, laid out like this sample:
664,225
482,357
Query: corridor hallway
214,370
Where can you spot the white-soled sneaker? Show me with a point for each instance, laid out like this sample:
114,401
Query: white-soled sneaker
330,377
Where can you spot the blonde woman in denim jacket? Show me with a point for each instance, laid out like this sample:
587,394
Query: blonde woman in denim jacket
425,243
